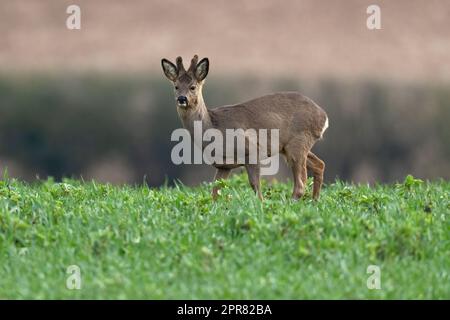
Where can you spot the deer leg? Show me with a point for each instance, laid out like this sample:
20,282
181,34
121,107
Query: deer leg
299,173
296,153
253,178
220,174
304,174
317,166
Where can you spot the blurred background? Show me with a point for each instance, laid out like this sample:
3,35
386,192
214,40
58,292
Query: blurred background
93,103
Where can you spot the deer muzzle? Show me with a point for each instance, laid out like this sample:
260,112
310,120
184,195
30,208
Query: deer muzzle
182,101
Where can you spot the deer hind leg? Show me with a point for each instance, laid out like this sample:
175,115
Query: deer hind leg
253,172
299,173
296,155
317,166
220,174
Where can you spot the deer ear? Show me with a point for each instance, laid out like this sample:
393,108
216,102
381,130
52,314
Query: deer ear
170,70
201,71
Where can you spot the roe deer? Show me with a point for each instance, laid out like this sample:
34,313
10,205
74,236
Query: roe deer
299,120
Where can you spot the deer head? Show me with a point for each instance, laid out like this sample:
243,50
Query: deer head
187,84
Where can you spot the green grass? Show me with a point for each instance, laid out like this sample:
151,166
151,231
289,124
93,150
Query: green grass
136,242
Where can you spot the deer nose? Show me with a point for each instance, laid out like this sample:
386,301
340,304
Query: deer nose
182,100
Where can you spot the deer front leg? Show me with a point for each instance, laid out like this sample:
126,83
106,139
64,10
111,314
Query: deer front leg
220,174
253,177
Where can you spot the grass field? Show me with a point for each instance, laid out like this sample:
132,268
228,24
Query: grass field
136,242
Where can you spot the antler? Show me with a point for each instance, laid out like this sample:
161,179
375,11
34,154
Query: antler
180,66
193,64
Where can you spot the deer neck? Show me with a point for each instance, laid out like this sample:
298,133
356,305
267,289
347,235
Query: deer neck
198,113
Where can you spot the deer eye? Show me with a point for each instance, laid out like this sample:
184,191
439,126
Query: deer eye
176,87
192,88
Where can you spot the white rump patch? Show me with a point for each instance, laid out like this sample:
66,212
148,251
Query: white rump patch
325,127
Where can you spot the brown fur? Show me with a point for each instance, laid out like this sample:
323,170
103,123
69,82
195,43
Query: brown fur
300,121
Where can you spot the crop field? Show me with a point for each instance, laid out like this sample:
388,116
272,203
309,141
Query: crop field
176,243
